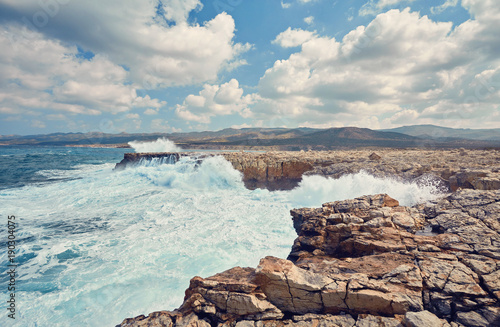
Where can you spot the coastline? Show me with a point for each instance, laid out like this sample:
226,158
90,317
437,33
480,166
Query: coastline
361,261
283,170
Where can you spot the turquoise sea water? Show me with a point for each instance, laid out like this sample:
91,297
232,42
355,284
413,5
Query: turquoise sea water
95,246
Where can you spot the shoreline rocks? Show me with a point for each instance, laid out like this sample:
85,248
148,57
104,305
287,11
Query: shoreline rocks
281,170
363,262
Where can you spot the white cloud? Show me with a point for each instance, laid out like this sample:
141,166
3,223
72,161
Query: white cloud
178,10
309,20
150,112
447,4
156,53
401,65
374,7
46,75
214,100
285,5
293,38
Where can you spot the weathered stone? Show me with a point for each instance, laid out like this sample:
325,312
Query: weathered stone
290,288
249,305
370,321
191,320
155,319
492,282
472,319
362,257
284,170
423,319
374,156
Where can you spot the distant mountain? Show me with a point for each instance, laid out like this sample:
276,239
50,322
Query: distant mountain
442,133
282,138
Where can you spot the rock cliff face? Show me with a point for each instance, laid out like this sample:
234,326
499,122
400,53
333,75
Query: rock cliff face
474,169
363,262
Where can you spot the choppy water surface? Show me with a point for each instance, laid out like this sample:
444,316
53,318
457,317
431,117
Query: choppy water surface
97,246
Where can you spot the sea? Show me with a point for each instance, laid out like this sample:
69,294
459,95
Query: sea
94,246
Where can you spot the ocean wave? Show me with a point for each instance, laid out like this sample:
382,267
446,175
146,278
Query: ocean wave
315,190
113,243
160,145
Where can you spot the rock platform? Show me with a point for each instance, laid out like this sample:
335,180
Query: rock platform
474,169
366,261
363,262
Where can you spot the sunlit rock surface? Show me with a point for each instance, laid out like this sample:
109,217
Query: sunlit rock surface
363,262
456,169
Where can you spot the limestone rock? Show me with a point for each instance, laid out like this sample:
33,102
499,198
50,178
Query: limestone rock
423,319
363,258
374,156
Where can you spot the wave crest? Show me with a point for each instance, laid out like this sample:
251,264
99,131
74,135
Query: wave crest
160,145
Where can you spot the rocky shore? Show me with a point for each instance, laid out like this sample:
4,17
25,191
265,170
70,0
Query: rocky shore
474,169
363,262
366,261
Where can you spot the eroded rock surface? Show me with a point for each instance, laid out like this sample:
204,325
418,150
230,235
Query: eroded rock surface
456,169
363,262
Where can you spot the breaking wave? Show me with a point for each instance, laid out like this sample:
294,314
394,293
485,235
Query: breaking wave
313,191
117,244
160,145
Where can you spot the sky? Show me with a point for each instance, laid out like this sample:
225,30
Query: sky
141,66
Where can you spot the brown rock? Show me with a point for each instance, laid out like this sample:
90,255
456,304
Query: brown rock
361,257
374,156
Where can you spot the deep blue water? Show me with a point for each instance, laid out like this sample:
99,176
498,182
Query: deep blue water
21,166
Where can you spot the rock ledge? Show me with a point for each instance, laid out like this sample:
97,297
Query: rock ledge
363,262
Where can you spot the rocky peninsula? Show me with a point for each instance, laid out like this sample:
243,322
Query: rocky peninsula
458,168
366,261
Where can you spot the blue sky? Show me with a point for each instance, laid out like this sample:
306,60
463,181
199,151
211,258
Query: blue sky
171,65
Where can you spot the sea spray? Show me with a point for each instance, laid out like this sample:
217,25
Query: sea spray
313,191
160,145
113,244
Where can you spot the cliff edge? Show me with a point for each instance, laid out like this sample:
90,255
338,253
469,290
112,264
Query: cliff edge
283,170
363,262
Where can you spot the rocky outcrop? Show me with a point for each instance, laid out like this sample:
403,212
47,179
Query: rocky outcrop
363,262
453,169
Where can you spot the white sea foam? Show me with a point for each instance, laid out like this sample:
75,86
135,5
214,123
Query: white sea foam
160,145
113,245
316,190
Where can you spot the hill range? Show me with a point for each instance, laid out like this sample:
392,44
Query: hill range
428,136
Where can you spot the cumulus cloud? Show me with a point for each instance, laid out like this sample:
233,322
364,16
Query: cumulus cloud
152,39
151,112
447,4
401,65
214,100
45,74
293,38
374,7
61,59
